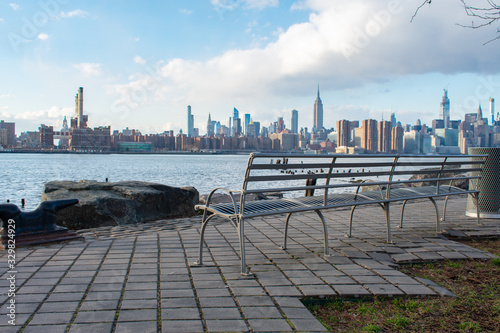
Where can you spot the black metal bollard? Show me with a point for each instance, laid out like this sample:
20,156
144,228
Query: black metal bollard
38,226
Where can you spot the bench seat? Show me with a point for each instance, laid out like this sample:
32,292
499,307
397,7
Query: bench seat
278,206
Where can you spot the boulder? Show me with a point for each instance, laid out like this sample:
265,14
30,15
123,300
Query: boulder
433,173
119,203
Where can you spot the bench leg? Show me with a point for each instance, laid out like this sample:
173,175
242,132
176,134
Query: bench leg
388,221
286,230
349,234
476,198
204,224
241,234
402,213
325,232
444,208
438,227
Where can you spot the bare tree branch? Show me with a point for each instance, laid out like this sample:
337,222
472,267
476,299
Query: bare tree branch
416,11
487,15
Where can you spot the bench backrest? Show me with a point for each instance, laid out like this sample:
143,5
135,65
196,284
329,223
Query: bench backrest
297,173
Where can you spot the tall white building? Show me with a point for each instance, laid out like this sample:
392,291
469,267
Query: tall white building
318,114
190,123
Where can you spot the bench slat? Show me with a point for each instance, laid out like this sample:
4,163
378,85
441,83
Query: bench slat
290,166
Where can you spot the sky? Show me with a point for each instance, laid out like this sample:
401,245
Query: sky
141,63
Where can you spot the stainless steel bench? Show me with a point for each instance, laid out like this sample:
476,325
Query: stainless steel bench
338,181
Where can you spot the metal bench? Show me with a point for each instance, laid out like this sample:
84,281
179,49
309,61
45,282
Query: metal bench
340,181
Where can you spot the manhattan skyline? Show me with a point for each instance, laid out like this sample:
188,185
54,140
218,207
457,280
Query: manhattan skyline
142,64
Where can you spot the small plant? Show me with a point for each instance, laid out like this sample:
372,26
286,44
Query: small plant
496,261
364,309
469,326
398,321
453,264
371,328
336,305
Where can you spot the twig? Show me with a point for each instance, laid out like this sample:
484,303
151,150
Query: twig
416,11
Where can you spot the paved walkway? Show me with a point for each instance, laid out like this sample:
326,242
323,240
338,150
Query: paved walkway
129,279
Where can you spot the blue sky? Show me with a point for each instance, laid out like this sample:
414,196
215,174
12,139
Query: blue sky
142,63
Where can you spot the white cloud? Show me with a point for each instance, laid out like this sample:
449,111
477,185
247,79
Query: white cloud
89,69
5,115
74,13
7,96
225,4
251,25
2,20
185,11
53,113
43,36
260,4
139,60
14,6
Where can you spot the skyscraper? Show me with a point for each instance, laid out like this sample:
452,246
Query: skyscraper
295,121
190,122
445,109
492,110
397,134
318,114
10,133
210,126
247,121
251,129
236,114
393,119
343,133
79,120
236,123
369,136
280,127
384,129
236,127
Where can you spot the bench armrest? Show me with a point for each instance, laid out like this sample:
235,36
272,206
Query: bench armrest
233,199
366,181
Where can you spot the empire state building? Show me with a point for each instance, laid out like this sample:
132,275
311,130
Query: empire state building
318,114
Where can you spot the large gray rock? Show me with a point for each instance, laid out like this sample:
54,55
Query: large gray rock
433,173
126,202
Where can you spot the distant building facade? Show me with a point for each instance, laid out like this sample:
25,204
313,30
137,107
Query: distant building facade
7,134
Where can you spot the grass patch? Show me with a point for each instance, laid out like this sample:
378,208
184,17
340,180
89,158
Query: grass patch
475,309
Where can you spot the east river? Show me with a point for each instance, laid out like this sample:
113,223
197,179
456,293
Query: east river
22,176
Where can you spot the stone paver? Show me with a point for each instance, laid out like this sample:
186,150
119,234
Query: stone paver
140,278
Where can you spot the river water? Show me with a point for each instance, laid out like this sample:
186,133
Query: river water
22,176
